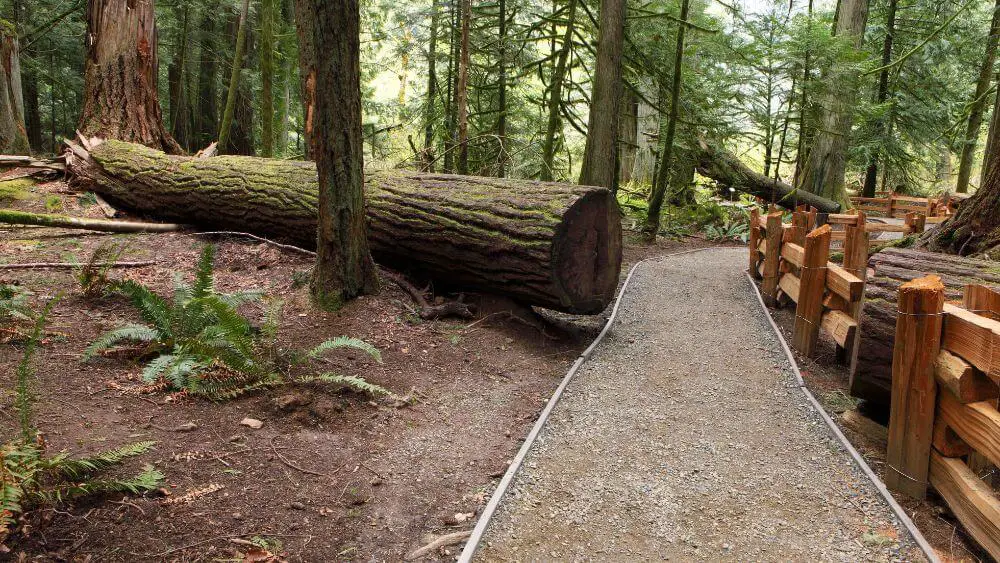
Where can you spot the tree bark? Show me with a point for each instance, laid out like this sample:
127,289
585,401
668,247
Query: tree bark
881,95
629,135
234,79
120,75
32,113
266,15
427,155
207,118
13,136
554,125
180,114
502,87
978,104
462,88
600,155
546,244
307,72
823,173
872,378
727,169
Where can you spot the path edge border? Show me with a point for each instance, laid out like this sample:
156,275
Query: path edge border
901,514
472,544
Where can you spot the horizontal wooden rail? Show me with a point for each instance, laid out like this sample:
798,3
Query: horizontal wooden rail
972,500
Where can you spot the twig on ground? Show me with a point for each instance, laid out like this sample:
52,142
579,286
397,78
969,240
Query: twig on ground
292,465
70,265
257,238
427,311
445,540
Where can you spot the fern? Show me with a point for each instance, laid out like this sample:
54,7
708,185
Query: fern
77,469
93,276
346,342
152,308
352,381
24,398
14,304
204,280
127,333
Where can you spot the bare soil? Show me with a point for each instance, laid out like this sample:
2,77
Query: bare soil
330,475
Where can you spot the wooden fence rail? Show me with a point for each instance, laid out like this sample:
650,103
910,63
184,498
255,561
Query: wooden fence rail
944,427
792,261
935,210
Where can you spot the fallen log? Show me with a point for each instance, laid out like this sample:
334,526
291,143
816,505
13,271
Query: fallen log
64,221
727,169
547,244
889,269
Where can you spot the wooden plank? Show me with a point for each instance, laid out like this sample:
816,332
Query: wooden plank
809,308
946,442
800,226
974,338
982,301
914,389
793,253
790,285
844,283
838,235
842,219
870,200
977,424
856,244
772,260
755,240
937,219
966,383
885,228
841,327
910,199
972,501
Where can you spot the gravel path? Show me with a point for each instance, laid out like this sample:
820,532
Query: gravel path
685,437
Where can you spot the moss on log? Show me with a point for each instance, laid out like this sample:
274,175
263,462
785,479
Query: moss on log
547,244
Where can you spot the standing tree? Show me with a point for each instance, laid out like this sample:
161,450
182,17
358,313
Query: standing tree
307,71
266,15
978,104
823,173
344,266
601,153
120,74
881,95
554,125
462,88
234,79
13,136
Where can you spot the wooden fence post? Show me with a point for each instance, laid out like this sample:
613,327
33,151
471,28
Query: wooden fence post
914,389
919,223
982,301
773,258
800,226
754,243
856,246
809,309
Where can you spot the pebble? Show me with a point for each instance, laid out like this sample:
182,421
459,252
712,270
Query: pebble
252,423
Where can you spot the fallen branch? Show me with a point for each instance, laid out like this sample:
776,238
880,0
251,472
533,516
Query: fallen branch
71,265
443,541
64,221
255,237
292,465
427,311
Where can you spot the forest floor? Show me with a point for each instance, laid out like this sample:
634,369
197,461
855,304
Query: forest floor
686,437
329,476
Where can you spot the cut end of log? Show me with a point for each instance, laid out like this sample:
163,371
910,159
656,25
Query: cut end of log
587,252
825,230
926,283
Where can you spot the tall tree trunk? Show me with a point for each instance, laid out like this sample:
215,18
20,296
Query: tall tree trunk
451,121
241,134
975,228
307,71
881,95
234,79
176,73
784,132
13,136
629,134
978,104
32,113
207,116
663,172
991,137
804,134
554,127
120,74
601,153
344,266
825,168
462,88
427,155
502,94
267,9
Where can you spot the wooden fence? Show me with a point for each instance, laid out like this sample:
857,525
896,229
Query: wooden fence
944,427
793,263
913,223
935,210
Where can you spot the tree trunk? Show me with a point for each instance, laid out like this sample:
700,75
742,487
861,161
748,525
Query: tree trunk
727,169
427,156
554,126
978,104
344,266
805,135
872,378
502,87
207,118
551,245
13,136
451,121
176,79
462,88
975,229
881,95
662,180
600,155
307,71
234,79
120,74
991,137
241,133
824,170
629,135
32,112
266,16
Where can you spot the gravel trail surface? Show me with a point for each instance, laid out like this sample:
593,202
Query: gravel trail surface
686,437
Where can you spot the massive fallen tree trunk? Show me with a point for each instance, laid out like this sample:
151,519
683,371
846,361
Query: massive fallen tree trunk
872,378
727,169
546,244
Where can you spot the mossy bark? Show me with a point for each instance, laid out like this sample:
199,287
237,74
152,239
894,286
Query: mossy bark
892,267
547,244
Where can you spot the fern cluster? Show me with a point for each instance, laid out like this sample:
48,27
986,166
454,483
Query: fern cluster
93,275
202,345
29,477
14,305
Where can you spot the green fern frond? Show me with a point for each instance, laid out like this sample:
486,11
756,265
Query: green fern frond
352,381
238,298
152,308
79,468
156,367
24,398
204,280
148,480
346,342
127,333
14,304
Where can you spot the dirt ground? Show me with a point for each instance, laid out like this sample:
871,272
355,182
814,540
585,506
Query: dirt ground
330,475
866,429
